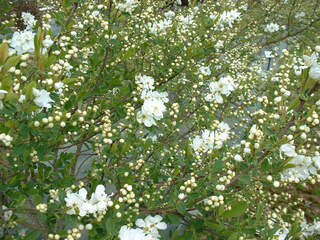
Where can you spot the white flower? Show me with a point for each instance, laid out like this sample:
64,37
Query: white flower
281,234
127,233
7,214
303,167
197,142
159,27
310,60
22,98
314,72
145,81
153,107
238,158
147,120
268,54
2,94
169,14
78,202
42,98
188,20
151,225
227,17
205,70
6,139
219,44
28,19
128,6
316,161
318,103
271,27
22,42
47,42
59,86
210,140
288,149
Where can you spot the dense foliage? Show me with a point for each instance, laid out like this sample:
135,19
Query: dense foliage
145,119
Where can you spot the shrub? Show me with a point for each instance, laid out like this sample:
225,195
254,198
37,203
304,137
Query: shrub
152,119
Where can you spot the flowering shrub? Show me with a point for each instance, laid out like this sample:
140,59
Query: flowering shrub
133,120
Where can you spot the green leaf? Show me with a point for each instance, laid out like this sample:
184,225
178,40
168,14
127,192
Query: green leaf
237,209
234,236
294,104
11,62
110,225
181,207
174,219
4,52
245,179
33,235
259,211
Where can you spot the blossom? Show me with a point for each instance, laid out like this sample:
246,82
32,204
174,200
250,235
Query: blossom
303,167
147,120
22,98
145,81
78,202
22,42
219,44
159,27
227,17
238,158
310,60
42,98
224,86
153,107
205,70
314,72
127,233
6,139
7,213
281,234
151,225
47,42
169,14
28,19
59,86
271,28
288,150
210,140
2,94
128,6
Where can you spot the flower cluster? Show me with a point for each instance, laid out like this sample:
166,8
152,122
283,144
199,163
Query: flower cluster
226,18
301,166
6,139
42,99
153,106
22,42
78,203
28,20
128,6
159,26
210,140
225,86
307,230
271,28
312,62
148,229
